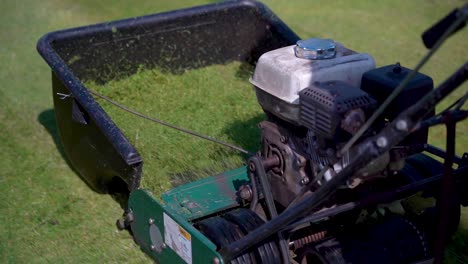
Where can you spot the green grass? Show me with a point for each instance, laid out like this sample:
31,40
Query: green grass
49,215
217,101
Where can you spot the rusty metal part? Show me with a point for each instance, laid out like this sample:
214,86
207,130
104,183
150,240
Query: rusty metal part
275,151
272,161
298,243
353,120
284,166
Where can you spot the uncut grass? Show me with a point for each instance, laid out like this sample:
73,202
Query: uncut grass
217,101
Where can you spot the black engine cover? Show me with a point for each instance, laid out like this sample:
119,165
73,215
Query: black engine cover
381,82
323,105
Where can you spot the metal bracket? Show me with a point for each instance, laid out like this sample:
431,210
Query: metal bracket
63,96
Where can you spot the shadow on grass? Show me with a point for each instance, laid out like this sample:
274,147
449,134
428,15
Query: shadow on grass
47,120
245,71
245,134
458,246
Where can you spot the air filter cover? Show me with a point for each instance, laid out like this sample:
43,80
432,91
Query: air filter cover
323,105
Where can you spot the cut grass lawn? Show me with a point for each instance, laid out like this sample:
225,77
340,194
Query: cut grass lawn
49,215
217,101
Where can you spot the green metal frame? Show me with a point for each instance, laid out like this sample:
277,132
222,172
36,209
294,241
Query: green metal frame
207,196
174,216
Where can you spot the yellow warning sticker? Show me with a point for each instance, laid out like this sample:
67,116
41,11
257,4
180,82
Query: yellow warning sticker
185,233
178,239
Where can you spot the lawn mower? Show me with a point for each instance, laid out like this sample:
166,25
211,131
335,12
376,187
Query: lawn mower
343,145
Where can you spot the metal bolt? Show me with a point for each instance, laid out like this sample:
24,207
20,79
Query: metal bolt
157,249
151,221
252,166
121,224
305,180
216,260
352,183
298,162
382,142
129,218
402,125
245,192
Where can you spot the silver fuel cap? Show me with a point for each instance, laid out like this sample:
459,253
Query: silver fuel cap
315,49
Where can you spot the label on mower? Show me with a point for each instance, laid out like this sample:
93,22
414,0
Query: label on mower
178,239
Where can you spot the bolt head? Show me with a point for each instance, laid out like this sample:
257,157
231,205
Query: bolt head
121,224
252,166
245,192
352,183
382,142
157,249
402,125
129,217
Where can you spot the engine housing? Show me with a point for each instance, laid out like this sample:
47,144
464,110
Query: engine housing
317,95
280,76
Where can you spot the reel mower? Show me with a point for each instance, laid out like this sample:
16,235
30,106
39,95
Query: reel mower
344,144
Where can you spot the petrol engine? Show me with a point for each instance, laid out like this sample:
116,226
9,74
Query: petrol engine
316,95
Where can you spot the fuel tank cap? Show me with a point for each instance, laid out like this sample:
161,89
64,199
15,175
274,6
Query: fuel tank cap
315,49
